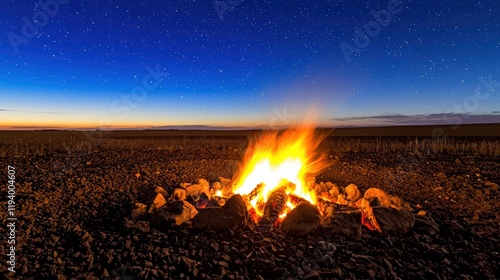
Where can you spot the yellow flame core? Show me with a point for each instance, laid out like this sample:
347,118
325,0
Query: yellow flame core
274,157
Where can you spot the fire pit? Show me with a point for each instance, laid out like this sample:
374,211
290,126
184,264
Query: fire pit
276,188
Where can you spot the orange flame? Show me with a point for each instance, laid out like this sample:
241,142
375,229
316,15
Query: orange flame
276,156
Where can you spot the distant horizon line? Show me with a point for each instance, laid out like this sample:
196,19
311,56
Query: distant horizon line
381,120
230,128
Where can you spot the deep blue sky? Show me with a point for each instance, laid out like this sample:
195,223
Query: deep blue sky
249,65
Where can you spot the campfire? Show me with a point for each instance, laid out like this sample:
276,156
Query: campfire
275,168
276,187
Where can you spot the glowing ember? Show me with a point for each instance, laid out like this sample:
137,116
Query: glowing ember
280,160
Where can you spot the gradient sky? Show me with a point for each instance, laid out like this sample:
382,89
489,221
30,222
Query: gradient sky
84,64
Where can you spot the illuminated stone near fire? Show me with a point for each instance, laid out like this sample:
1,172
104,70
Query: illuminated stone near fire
179,194
301,220
175,211
345,223
385,199
393,220
232,215
154,201
385,213
139,210
197,190
353,194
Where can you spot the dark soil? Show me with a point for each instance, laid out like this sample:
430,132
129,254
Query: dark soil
71,209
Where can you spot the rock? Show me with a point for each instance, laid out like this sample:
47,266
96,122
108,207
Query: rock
139,225
393,220
425,224
441,175
139,211
337,272
384,199
353,194
197,189
385,213
226,186
333,189
179,194
342,200
313,274
212,219
161,191
301,220
216,186
174,211
153,201
347,224
493,186
327,260
237,208
204,183
231,216
174,207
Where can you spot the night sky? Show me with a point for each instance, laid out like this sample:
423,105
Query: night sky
242,63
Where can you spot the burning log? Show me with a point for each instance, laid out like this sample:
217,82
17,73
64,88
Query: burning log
255,192
274,207
295,199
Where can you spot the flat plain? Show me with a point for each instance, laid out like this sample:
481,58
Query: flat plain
75,189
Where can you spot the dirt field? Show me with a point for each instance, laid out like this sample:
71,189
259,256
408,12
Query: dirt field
75,189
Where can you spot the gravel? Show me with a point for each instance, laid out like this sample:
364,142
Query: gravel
73,211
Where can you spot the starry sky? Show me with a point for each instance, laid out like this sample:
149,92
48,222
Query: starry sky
240,63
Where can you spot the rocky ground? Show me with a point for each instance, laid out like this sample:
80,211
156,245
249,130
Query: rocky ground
71,209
